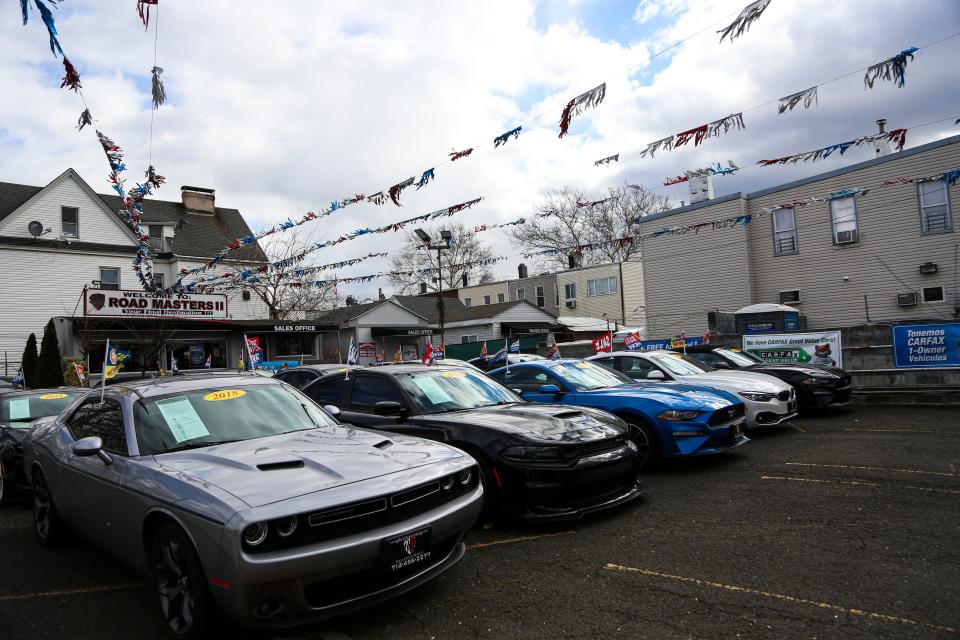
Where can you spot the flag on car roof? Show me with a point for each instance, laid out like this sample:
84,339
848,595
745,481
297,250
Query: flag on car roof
430,355
18,379
81,377
114,360
254,350
398,356
515,346
380,358
352,353
483,351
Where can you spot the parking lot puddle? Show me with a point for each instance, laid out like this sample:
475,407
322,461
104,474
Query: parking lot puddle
779,596
858,468
493,543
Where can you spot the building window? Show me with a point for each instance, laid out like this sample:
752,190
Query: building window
156,237
486,299
521,294
109,278
158,279
500,297
843,219
468,339
540,299
935,215
70,222
570,290
467,302
784,231
933,294
556,293
791,296
602,286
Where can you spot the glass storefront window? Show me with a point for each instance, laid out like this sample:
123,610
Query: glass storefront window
293,344
193,354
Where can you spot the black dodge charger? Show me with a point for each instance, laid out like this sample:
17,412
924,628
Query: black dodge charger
816,385
543,462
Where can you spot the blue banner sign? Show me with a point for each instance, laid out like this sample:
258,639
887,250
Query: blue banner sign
926,345
664,345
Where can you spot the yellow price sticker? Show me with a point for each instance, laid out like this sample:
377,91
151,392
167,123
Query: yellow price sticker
453,374
675,355
53,396
583,365
224,394
735,350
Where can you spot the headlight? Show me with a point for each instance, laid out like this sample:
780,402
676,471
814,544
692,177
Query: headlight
531,453
465,476
285,526
757,396
447,483
677,414
255,534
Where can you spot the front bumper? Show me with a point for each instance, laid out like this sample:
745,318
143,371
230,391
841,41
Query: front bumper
296,586
771,412
826,394
714,439
544,492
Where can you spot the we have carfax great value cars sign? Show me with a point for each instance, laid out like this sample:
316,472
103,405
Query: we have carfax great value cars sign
799,348
106,303
927,345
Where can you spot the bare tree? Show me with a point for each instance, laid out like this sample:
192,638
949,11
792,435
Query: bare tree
465,248
288,287
566,219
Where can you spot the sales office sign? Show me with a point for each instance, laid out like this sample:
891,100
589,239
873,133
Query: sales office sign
111,303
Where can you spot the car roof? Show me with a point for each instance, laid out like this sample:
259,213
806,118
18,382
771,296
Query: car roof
700,348
320,367
32,392
395,369
171,384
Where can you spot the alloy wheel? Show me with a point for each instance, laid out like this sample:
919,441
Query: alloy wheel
640,438
175,587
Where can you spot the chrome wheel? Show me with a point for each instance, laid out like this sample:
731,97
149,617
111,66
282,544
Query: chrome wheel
645,440
174,586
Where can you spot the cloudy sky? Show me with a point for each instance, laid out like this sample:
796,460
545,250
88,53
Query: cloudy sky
284,106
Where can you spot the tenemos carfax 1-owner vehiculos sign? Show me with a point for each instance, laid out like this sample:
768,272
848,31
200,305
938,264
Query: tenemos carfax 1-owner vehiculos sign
118,303
799,348
926,345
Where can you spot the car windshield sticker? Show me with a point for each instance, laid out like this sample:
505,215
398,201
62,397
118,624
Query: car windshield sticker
53,396
182,419
453,374
19,408
583,365
224,394
735,350
434,391
675,356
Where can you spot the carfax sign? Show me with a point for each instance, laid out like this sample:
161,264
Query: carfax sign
926,345
799,348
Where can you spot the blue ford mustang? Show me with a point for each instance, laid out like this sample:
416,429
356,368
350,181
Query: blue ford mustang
667,421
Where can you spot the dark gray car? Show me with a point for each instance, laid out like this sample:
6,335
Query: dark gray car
239,492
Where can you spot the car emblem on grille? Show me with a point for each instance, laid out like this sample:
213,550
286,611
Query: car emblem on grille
410,545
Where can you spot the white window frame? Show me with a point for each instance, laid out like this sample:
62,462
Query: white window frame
570,288
467,302
63,230
556,293
501,297
102,269
469,339
594,288
943,293
833,221
486,299
541,296
521,294
777,250
158,279
158,247
923,217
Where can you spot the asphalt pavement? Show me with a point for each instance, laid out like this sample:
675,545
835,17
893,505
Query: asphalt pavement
844,524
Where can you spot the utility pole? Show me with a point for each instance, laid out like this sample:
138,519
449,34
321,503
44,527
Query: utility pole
446,238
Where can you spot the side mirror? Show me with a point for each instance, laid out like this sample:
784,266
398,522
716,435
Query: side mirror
519,392
549,388
656,374
389,408
91,446
721,364
332,409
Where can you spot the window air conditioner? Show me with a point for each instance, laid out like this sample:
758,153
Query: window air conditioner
907,299
571,304
846,237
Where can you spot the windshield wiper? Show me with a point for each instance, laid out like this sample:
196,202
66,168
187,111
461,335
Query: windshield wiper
200,445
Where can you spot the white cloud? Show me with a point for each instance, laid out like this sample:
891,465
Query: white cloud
649,9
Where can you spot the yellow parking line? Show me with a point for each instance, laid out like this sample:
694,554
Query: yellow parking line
483,545
943,433
867,484
800,429
779,596
72,592
844,466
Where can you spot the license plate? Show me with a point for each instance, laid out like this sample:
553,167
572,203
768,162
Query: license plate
407,549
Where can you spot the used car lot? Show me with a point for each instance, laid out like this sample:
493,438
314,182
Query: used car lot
836,525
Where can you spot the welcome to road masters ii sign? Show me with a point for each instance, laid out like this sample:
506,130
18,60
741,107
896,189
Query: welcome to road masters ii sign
118,303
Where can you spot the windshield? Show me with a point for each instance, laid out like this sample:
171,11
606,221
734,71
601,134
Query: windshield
679,364
439,391
222,414
24,409
584,376
742,358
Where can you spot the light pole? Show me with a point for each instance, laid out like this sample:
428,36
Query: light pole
446,238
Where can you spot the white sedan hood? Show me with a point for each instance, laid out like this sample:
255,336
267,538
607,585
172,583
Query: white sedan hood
735,381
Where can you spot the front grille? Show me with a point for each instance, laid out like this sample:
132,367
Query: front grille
727,414
345,513
784,395
600,446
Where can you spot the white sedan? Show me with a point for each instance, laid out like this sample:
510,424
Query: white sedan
768,400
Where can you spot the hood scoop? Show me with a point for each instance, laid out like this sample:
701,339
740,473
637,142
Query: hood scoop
385,444
567,414
283,464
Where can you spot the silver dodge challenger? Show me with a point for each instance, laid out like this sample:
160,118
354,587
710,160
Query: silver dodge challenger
238,494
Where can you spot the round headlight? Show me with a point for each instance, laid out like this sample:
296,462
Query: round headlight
255,534
286,526
447,483
465,476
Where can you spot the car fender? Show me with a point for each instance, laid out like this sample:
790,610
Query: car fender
204,535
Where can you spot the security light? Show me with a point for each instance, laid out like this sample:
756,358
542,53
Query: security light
422,235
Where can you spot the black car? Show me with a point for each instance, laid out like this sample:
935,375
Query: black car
816,385
20,412
305,374
543,462
499,359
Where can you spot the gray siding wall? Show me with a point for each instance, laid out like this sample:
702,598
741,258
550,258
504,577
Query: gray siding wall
634,297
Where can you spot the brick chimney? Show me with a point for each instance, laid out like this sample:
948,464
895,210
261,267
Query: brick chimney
198,199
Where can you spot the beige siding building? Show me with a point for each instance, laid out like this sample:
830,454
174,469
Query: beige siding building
484,294
608,291
841,260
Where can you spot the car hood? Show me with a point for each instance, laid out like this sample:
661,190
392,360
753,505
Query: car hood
676,396
285,466
735,381
793,367
553,422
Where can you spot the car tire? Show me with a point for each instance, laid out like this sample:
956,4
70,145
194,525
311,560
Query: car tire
186,604
648,449
46,520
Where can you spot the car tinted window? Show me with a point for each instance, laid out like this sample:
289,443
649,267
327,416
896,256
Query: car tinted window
329,391
369,390
23,409
449,389
607,362
103,420
299,379
223,413
584,376
679,364
635,368
742,358
530,379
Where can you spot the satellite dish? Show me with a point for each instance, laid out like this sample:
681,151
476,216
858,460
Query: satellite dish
35,228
